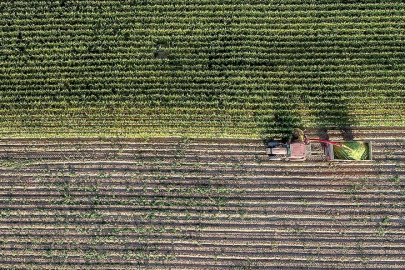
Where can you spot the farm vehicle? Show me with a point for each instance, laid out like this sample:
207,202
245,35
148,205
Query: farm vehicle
301,148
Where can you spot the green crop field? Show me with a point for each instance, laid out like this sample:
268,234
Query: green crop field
218,68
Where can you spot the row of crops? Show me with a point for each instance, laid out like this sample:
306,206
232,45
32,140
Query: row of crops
199,68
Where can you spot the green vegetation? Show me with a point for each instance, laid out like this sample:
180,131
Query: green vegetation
201,68
352,151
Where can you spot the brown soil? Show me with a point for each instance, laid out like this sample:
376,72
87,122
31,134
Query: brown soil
198,204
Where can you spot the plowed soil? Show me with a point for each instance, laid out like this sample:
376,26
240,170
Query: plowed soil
173,203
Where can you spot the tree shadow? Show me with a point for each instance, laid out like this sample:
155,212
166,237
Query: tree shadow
282,122
320,96
328,107
332,112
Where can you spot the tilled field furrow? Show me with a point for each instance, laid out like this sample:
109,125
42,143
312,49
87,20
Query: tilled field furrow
194,264
228,200
274,239
127,189
198,179
287,225
134,153
213,220
210,169
178,165
111,254
248,196
234,218
198,204
347,207
172,239
199,249
214,214
212,261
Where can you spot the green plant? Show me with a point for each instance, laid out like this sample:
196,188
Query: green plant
383,224
395,179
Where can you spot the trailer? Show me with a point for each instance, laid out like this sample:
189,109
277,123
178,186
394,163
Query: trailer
332,155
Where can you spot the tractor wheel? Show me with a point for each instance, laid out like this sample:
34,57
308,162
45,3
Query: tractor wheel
273,144
274,158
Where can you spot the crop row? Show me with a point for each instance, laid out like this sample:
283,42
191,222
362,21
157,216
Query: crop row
229,113
218,5
281,79
206,98
69,60
120,94
262,38
246,19
368,67
176,124
207,31
375,92
272,51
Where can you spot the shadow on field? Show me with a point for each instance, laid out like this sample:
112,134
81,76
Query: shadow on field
281,125
332,113
285,117
328,107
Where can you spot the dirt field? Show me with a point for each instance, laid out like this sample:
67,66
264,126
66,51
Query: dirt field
198,204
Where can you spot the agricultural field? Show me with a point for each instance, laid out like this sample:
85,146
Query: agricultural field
198,68
198,204
132,134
